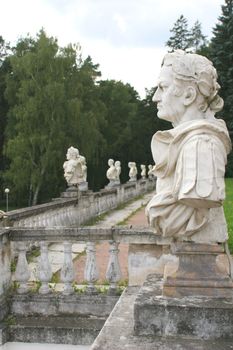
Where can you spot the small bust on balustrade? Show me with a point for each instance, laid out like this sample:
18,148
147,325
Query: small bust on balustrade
118,168
133,171
143,171
112,173
75,169
190,158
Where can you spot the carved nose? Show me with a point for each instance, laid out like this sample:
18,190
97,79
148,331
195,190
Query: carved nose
156,97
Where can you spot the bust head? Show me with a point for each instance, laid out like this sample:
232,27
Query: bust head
187,88
117,163
72,153
110,162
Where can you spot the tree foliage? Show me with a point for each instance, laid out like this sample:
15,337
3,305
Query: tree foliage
180,35
184,38
197,39
221,53
47,91
4,70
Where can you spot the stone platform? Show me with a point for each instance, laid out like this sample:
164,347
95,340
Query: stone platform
199,317
198,272
118,332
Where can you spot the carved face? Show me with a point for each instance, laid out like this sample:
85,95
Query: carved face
72,153
169,103
110,162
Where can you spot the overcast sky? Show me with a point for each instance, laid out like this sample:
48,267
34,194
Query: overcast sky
126,37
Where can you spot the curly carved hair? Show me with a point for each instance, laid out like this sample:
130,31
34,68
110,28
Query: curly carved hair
195,68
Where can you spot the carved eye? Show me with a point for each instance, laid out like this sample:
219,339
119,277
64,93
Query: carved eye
162,87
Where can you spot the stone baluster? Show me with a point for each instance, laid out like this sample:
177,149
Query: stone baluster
22,272
91,273
67,271
45,271
113,274
1,268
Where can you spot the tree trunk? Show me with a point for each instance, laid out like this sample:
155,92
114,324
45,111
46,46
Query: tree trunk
35,195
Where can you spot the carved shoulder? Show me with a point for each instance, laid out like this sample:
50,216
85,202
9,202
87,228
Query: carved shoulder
199,178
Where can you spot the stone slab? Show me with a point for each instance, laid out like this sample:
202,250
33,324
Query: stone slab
198,317
57,329
118,333
49,305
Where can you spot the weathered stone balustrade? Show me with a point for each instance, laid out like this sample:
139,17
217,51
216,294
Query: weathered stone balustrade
75,211
89,235
23,302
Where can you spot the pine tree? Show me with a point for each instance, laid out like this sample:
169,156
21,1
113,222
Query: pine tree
192,40
180,38
197,39
221,53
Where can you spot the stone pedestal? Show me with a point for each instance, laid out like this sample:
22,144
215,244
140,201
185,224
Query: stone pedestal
70,192
198,272
133,179
196,317
83,186
196,300
112,183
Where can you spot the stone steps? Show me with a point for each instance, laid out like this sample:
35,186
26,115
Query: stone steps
63,329
118,332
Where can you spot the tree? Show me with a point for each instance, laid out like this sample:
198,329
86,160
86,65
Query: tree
89,124
122,103
180,38
145,125
191,40
49,111
221,53
4,70
197,39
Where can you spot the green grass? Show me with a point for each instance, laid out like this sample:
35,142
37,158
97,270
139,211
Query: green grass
228,210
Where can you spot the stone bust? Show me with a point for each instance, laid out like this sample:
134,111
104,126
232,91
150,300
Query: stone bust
143,171
118,168
133,171
112,174
75,169
189,159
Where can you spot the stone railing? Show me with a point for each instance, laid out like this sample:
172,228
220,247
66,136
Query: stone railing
68,212
22,237
20,298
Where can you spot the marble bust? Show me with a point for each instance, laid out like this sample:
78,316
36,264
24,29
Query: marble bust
118,168
112,174
75,169
84,168
189,159
133,171
143,171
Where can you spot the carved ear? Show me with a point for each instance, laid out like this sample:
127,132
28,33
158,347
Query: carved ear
190,95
